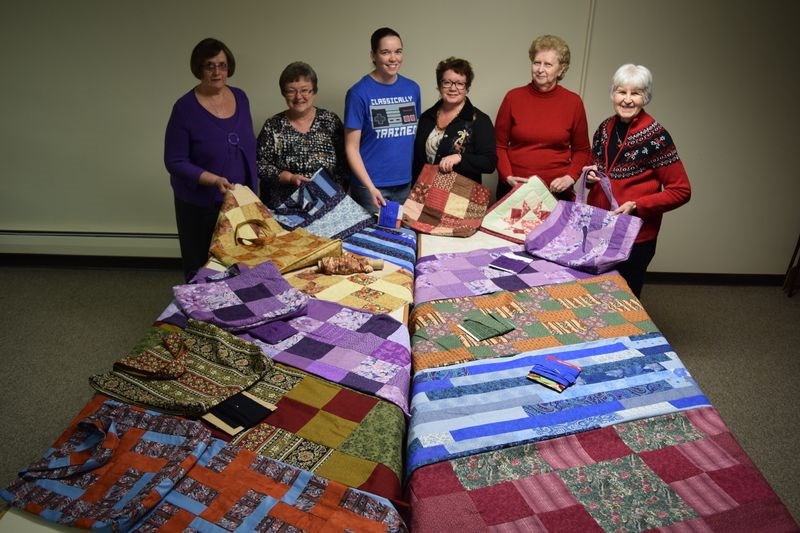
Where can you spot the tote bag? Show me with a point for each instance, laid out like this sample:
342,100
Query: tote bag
520,210
582,236
445,203
247,233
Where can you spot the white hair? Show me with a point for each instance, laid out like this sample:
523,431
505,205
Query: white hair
632,75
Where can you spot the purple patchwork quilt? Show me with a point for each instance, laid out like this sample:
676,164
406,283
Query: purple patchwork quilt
457,275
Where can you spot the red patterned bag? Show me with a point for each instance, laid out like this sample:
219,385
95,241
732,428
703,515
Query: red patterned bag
445,204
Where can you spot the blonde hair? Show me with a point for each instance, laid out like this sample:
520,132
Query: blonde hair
555,43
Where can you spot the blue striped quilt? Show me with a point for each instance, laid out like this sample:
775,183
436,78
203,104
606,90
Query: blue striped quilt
483,405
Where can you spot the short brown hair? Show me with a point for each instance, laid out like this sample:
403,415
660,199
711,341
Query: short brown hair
294,72
555,43
205,50
457,65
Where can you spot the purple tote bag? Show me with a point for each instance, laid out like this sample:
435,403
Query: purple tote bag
584,237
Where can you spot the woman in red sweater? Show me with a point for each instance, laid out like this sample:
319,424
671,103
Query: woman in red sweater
541,128
647,176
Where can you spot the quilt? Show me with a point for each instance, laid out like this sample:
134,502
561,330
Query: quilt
483,405
398,246
232,489
388,290
323,208
552,315
461,274
681,471
364,351
110,467
185,372
335,432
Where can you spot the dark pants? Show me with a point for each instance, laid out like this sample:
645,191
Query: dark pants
635,268
195,229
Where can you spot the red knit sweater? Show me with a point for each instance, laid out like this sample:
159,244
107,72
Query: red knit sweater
647,170
542,134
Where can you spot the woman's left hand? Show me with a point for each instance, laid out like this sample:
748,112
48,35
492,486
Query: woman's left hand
447,163
561,184
628,208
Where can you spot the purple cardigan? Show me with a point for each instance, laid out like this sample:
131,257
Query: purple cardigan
196,140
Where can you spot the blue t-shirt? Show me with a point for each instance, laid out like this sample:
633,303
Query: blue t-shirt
387,116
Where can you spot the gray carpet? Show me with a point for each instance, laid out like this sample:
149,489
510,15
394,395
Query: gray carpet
59,326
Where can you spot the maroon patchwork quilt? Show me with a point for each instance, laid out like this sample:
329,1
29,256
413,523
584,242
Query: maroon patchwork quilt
678,472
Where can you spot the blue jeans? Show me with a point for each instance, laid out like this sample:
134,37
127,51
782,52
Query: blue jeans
360,194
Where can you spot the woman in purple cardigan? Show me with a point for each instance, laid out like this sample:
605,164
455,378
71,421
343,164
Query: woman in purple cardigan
209,146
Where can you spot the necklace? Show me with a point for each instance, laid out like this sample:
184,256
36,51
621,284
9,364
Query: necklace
620,138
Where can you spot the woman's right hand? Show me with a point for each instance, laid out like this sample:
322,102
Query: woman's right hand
591,176
377,198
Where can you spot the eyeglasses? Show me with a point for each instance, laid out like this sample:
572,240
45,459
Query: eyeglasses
460,85
211,67
291,93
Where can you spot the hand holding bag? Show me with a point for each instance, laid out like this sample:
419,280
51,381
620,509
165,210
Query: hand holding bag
582,236
445,203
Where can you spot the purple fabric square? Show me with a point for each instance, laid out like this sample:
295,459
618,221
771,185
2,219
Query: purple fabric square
310,348
510,283
381,325
273,332
354,381
233,313
251,294
393,353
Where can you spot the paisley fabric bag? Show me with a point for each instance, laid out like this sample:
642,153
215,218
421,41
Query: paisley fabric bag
522,209
247,233
584,237
445,203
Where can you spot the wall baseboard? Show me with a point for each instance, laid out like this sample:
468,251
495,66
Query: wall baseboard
174,263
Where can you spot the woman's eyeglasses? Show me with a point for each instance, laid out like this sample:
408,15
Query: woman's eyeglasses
211,67
460,85
291,93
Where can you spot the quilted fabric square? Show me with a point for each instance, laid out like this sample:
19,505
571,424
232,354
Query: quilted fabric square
524,208
255,296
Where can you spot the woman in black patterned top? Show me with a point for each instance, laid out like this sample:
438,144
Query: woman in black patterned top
297,142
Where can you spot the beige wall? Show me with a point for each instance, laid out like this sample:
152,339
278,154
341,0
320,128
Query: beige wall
88,87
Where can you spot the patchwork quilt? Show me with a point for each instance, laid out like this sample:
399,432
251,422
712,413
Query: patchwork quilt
364,351
461,274
674,472
389,290
333,431
482,405
553,315
398,246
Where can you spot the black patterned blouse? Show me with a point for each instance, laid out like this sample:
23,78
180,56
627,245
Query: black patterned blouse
281,147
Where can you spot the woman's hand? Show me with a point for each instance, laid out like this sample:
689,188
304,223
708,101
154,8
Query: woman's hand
447,163
513,180
561,184
628,208
288,178
377,198
592,176
223,184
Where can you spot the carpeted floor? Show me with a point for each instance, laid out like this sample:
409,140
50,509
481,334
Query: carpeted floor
61,325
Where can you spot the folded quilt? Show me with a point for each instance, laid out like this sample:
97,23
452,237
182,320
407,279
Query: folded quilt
398,246
364,351
674,472
482,405
333,431
323,208
552,315
460,274
214,365
388,290
110,467
252,297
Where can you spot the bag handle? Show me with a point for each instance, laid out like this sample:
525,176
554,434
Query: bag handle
605,184
259,241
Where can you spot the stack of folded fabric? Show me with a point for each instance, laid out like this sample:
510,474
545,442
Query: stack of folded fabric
482,326
554,373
